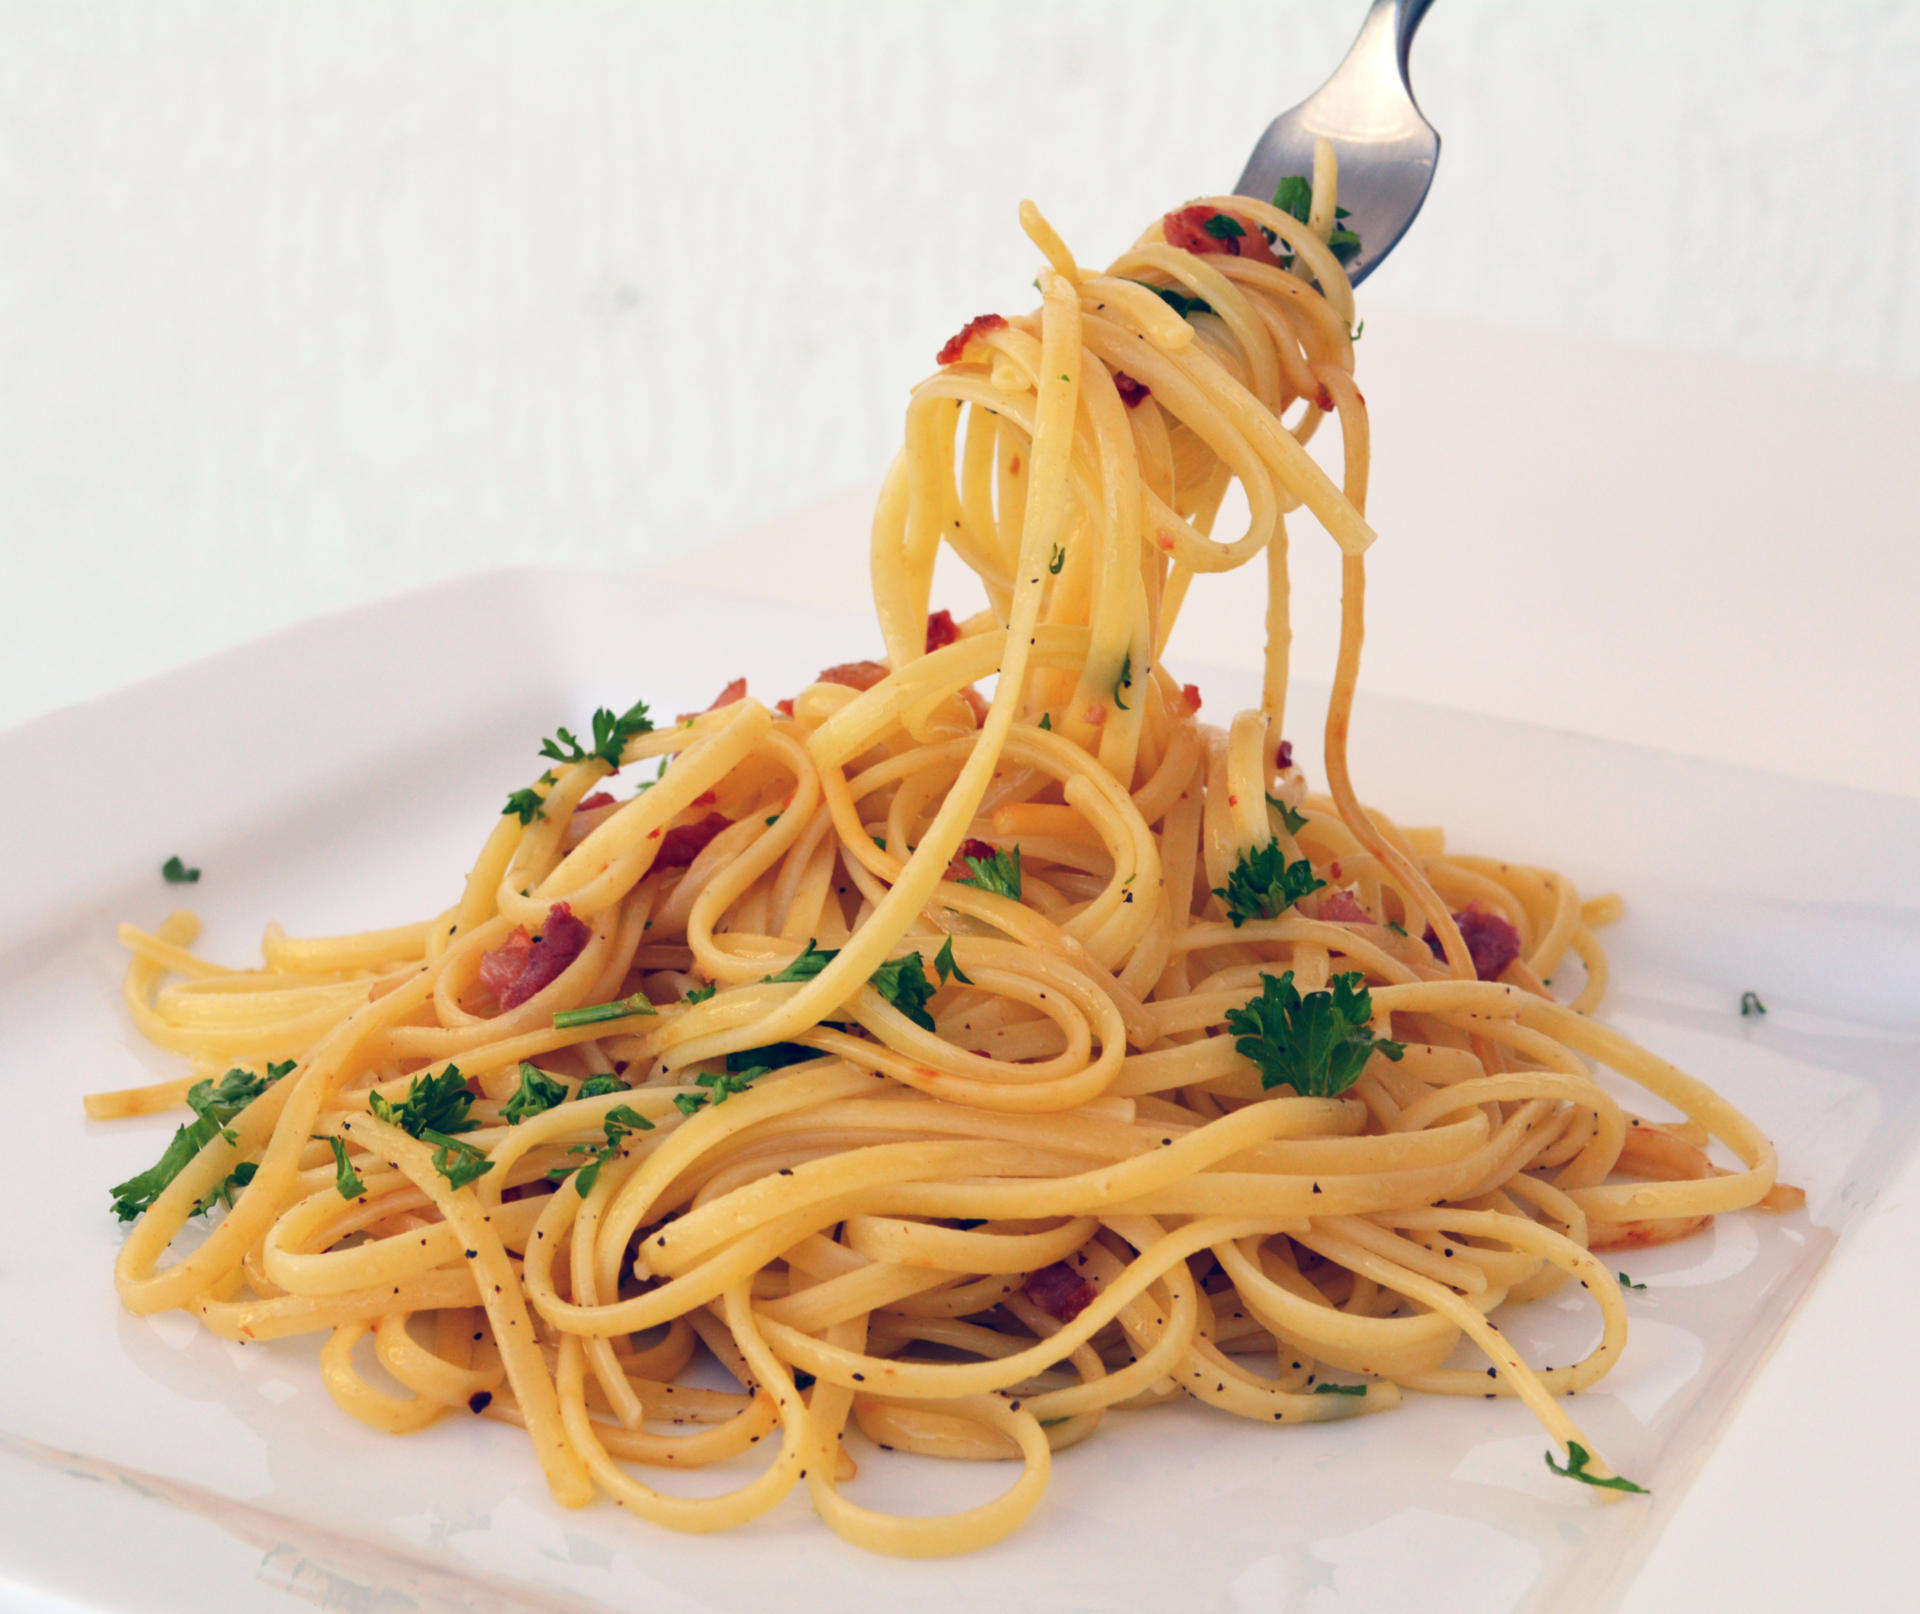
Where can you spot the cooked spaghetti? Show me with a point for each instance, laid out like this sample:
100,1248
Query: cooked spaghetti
946,1067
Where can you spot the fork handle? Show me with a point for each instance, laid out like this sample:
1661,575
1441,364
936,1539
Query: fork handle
1403,16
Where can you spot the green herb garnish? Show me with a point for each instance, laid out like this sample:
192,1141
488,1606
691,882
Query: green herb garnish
214,1104
1179,301
903,983
700,994
1264,885
594,1013
945,967
525,805
1124,681
177,873
1223,226
1750,1004
1628,1283
1294,195
1317,1044
610,736
433,1104
809,964
537,1091
618,1124
999,873
345,1179
1576,1469
1324,1388
1056,560
600,1085
1295,822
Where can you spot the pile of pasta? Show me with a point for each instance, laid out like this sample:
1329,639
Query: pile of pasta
914,1050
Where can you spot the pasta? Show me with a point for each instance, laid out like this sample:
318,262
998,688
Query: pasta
951,1070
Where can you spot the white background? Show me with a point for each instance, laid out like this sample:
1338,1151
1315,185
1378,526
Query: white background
302,305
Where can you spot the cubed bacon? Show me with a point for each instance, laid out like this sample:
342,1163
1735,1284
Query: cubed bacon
942,630
522,965
1191,694
1491,940
784,708
1343,908
1194,229
1131,391
1283,758
735,691
681,845
855,674
600,798
1060,1291
955,345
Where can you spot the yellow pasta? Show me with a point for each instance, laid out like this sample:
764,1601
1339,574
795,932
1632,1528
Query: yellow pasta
934,1062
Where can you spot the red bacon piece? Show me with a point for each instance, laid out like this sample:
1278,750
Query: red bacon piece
1191,694
1491,940
522,965
960,869
855,674
1060,1291
1343,908
1131,391
680,846
956,344
942,630
735,691
600,798
784,708
1186,228
1283,758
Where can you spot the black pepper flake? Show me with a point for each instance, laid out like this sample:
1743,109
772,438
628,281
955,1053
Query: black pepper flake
1316,1188
859,1378
479,1401
471,1254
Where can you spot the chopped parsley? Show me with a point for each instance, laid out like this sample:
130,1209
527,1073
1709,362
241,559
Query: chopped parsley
617,1125
610,736
433,1104
601,1085
810,963
999,873
1628,1283
594,1013
1046,721
1294,195
214,1104
1399,929
1179,301
177,873
700,994
345,1179
903,983
225,1194
1056,560
1264,885
721,1086
1295,822
1222,226
1124,681
1324,1388
537,1092
1317,1044
1750,1004
945,967
525,805
1355,332
772,1056
1576,1469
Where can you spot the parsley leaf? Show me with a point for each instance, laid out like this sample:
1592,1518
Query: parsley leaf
945,967
773,1056
809,964
1056,560
433,1104
1223,225
618,1124
999,874
1179,301
177,873
214,1104
1576,1468
1124,681
460,1163
594,1013
1046,721
345,1179
599,1086
1318,1044
1628,1283
1294,195
1295,822
1264,885
610,736
1323,1388
1344,245
538,1091
700,994
903,983
525,805
1750,1004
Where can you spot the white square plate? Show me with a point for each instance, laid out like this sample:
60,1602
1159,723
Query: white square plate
340,775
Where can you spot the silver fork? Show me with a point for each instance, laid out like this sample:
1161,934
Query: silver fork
1386,149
